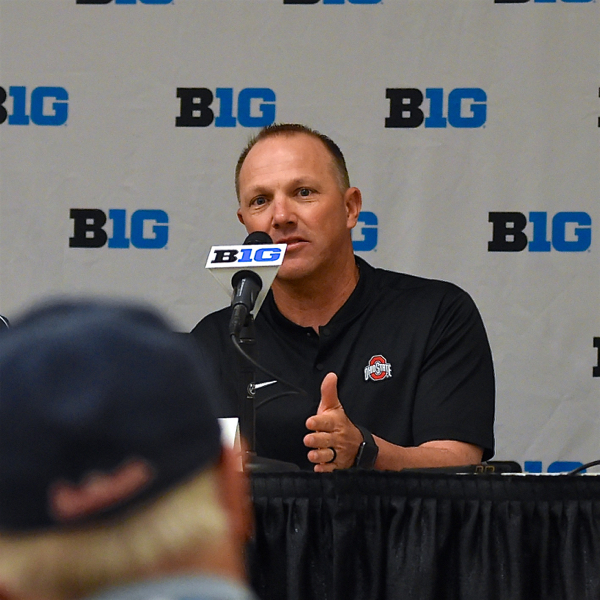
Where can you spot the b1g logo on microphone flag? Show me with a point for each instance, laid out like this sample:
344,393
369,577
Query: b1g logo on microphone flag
378,368
260,255
263,259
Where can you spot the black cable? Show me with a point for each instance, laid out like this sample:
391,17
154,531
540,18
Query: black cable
295,389
584,467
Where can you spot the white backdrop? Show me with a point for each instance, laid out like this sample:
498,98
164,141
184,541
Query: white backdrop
90,122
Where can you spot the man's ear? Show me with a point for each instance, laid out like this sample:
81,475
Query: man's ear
234,494
353,204
239,216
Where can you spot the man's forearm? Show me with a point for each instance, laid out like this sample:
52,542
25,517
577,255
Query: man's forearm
439,453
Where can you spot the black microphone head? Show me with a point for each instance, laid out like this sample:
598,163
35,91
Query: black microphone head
245,274
258,237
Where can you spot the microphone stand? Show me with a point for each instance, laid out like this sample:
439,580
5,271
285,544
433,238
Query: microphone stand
247,391
246,411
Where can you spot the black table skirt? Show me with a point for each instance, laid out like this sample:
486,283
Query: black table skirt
371,535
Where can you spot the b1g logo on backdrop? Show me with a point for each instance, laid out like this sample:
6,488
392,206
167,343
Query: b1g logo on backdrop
147,229
463,108
569,232
558,466
251,107
366,238
45,106
124,1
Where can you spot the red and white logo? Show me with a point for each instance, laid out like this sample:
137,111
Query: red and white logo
378,368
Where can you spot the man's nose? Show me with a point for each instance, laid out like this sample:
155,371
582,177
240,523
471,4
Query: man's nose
283,211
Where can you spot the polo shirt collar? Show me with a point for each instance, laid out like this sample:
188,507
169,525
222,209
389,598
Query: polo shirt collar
350,310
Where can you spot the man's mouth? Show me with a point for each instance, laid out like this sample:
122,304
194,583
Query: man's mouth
293,243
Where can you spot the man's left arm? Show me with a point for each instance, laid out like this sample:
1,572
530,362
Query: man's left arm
335,442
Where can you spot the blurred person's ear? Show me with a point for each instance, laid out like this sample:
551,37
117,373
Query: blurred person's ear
6,594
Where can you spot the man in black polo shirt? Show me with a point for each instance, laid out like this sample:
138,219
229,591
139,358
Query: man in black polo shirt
397,369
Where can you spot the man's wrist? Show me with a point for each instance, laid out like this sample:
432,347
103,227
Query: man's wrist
367,450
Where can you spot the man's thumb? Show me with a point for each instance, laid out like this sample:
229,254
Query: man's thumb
329,395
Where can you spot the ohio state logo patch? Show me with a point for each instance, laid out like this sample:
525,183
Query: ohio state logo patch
378,368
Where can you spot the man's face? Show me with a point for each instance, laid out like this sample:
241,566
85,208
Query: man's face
289,188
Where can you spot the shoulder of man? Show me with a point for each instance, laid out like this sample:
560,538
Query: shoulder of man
398,281
212,322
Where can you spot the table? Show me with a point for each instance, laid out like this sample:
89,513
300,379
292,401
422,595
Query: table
362,535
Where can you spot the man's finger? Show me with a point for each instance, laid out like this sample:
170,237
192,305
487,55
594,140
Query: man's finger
324,456
329,396
317,440
320,423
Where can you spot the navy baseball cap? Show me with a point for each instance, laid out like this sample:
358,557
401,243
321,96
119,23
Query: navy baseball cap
87,385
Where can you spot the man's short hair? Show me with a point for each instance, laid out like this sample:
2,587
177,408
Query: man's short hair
289,129
75,562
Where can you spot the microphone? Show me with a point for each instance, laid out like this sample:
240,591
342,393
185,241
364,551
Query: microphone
246,287
4,323
254,266
250,270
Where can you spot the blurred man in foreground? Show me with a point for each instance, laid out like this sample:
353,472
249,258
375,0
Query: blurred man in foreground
113,480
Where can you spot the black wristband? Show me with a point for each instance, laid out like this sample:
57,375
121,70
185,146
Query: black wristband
367,451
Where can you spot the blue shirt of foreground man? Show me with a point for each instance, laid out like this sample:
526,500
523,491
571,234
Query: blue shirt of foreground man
397,369
113,481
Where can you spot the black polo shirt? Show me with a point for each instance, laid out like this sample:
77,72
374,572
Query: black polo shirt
411,354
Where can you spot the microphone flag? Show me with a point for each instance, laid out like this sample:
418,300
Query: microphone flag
263,259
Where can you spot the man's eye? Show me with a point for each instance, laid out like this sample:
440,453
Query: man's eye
258,201
304,192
